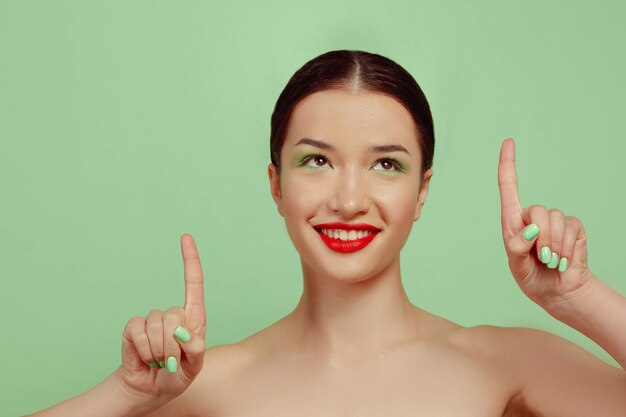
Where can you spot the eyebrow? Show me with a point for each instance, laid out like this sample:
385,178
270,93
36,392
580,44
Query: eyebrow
374,148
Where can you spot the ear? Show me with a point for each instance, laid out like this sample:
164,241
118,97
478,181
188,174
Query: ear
423,193
274,177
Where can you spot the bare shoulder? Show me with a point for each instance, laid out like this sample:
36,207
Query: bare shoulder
487,340
223,366
506,349
524,347
502,343
549,374
519,349
228,359
482,341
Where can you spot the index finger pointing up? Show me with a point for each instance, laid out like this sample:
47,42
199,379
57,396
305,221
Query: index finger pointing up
507,181
194,283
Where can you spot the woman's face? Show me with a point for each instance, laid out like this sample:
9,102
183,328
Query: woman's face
351,159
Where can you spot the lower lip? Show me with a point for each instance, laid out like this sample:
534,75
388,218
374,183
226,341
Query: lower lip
347,246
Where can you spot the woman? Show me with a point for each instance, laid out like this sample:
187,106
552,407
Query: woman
352,148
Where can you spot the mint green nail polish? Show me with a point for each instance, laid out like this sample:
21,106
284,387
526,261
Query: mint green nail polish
162,364
182,334
531,232
153,365
546,254
563,265
172,365
554,261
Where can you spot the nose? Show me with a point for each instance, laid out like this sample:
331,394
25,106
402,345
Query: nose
350,194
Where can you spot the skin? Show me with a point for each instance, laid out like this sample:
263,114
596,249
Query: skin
351,303
355,345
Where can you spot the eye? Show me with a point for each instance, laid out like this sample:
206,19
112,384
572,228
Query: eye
314,161
389,164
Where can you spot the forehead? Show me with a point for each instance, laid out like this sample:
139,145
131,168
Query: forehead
342,117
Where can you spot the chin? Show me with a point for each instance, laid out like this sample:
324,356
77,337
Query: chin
347,272
317,260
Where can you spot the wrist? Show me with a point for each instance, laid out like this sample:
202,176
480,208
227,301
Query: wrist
575,305
134,402
598,312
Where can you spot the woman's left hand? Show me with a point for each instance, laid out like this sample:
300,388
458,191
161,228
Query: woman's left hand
562,272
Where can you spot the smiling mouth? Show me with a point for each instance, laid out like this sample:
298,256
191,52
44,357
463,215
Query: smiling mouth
346,235
346,241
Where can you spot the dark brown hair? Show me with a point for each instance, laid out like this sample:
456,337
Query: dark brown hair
347,69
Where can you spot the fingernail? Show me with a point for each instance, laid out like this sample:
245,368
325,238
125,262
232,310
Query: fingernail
563,265
172,365
153,364
162,364
531,232
546,254
182,334
554,262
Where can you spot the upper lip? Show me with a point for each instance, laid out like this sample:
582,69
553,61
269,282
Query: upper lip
346,226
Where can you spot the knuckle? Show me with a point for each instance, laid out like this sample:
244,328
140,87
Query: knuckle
575,223
173,315
175,310
154,325
573,220
135,321
538,212
538,208
556,214
139,337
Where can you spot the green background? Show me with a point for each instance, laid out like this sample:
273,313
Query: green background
124,124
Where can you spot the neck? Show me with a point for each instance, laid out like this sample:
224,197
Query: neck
343,318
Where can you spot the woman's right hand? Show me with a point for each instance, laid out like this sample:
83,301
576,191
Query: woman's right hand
150,341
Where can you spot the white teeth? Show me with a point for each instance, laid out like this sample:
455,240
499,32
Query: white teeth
346,235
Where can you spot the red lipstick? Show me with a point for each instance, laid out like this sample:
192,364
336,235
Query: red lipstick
346,246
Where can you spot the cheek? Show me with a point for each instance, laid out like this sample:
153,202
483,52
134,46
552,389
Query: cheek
301,199
301,202
399,204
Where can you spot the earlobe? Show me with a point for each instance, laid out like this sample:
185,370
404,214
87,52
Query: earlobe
274,177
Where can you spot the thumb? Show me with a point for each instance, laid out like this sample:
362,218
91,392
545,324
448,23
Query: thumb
518,250
193,347
579,259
